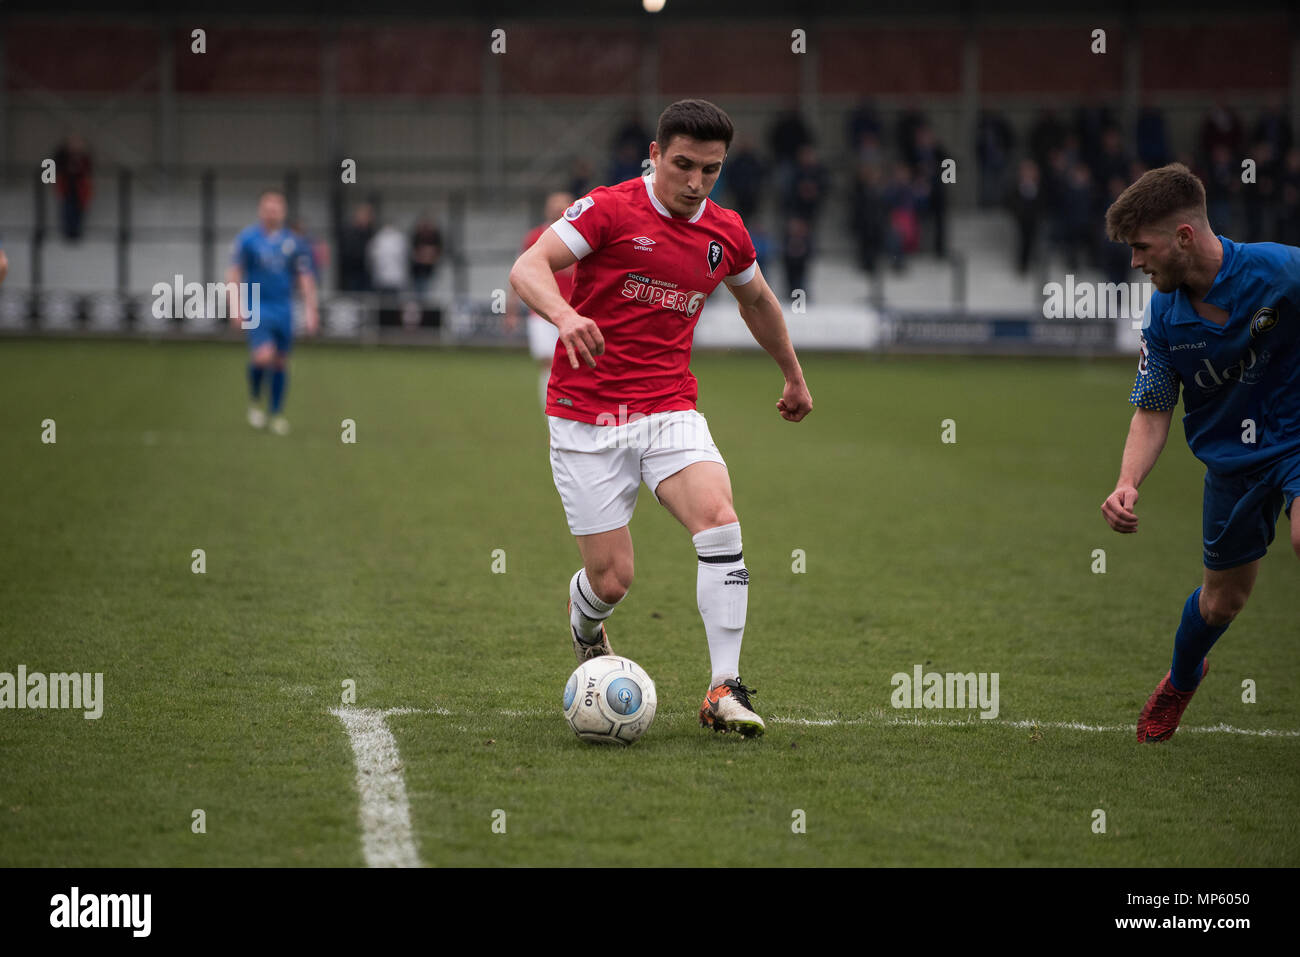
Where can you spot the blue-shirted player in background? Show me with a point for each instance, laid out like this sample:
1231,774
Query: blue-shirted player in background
275,259
1224,324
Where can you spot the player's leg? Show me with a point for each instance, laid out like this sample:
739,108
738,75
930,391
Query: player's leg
699,496
1206,615
280,376
597,587
1239,518
598,486
1295,531
260,359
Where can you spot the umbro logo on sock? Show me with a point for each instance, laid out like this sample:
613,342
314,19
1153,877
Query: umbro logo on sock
739,577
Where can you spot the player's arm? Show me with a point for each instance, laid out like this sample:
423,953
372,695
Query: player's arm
4,265
307,287
761,311
1146,440
533,278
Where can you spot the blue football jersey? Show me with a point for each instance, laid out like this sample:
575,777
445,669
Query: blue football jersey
273,261
1240,380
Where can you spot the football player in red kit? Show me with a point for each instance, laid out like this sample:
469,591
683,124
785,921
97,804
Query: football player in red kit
621,397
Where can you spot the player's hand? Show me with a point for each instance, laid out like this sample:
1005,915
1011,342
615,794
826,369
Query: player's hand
1118,509
795,401
582,339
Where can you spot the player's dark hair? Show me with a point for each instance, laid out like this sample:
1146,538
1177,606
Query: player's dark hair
698,119
1157,195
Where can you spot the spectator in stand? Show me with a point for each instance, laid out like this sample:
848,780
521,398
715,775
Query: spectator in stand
903,236
354,240
909,121
389,258
1221,127
806,188
1025,200
1152,139
1260,198
863,121
1079,218
1055,178
797,250
426,253
745,174
1222,185
636,137
930,188
994,140
73,170
1116,258
868,215
580,176
1091,121
626,162
1111,159
1273,127
871,151
1047,134
788,135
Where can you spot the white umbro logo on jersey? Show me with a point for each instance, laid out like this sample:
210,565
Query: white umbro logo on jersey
644,243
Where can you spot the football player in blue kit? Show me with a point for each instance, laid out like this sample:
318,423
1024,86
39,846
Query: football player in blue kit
271,259
1223,326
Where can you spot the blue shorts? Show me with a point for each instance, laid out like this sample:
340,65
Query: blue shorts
277,331
1241,511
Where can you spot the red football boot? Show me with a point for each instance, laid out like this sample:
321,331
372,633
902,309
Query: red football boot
1164,709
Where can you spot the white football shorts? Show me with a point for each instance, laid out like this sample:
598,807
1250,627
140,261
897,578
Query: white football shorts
598,469
542,337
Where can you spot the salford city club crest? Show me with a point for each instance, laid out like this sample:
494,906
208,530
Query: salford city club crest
715,256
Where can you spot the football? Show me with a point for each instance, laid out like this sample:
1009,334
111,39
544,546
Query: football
609,700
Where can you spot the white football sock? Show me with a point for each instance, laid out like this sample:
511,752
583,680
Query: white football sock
589,610
722,591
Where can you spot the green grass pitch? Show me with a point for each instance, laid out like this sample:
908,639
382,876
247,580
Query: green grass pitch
373,562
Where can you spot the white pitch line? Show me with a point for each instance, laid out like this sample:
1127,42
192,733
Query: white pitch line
892,720
1055,725
386,839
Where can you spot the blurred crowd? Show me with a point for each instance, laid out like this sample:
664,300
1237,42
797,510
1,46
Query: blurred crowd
1058,184
1055,182
887,187
375,257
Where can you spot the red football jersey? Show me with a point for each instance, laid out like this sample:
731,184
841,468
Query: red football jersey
563,278
642,276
